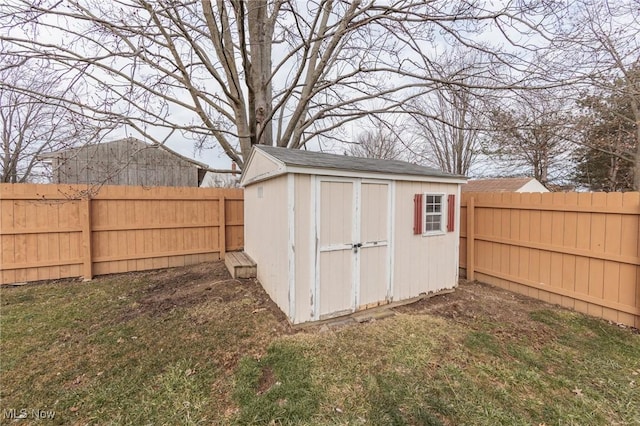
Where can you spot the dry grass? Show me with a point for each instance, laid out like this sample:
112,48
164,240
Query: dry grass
192,346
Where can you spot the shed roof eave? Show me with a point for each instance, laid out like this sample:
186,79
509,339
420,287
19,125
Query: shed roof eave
263,177
374,175
355,174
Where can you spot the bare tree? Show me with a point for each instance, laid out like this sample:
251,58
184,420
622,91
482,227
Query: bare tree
533,134
448,123
382,142
600,45
32,124
233,73
448,130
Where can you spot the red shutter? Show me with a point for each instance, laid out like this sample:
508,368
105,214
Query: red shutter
417,214
451,212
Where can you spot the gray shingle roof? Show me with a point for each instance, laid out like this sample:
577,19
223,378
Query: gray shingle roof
311,159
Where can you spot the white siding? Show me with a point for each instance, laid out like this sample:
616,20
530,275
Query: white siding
266,236
304,249
422,264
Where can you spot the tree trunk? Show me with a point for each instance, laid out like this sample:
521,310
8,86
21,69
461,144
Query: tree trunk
260,36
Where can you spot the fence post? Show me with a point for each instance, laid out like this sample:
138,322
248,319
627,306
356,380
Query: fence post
471,273
222,228
85,219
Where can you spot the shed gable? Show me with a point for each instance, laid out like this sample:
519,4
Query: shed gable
259,167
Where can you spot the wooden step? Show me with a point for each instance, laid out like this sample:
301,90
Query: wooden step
240,265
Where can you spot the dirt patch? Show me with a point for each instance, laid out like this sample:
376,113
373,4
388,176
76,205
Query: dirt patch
267,380
478,305
186,287
472,300
203,284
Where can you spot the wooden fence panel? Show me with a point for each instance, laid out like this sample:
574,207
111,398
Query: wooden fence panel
462,247
578,250
59,231
234,213
40,239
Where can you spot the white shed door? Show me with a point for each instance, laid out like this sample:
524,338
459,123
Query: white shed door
353,246
335,231
374,237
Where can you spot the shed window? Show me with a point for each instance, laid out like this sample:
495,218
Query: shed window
433,213
429,211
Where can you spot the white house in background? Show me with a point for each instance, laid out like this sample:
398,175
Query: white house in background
333,234
525,184
222,180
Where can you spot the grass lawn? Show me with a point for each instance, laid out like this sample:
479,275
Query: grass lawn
192,346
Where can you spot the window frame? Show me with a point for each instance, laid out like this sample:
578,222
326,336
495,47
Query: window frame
442,213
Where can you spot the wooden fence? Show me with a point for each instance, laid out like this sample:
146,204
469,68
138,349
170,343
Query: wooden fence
578,250
58,231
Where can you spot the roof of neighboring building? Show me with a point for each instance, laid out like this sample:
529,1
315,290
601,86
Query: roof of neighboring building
131,140
496,185
311,159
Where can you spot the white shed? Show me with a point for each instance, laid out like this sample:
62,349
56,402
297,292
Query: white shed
333,234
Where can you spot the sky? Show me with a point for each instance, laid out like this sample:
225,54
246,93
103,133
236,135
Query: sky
215,158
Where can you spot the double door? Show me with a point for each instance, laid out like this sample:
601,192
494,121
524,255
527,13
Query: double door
353,225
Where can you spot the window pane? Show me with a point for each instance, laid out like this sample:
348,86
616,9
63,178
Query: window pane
432,224
433,213
433,203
